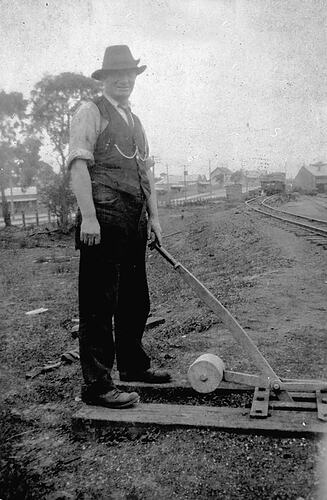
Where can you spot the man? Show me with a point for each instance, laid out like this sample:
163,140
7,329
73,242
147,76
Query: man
115,193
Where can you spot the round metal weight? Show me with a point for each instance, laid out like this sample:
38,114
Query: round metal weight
206,373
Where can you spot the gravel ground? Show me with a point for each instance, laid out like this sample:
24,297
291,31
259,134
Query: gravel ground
271,280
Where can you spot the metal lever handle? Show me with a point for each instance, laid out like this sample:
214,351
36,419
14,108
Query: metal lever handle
226,317
166,255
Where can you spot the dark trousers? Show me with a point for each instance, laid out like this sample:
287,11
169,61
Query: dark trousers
110,293
113,291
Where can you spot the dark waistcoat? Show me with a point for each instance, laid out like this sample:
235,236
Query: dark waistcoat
119,156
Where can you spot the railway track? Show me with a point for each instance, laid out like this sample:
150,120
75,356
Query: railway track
314,229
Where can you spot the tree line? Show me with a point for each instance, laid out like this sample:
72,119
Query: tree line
43,120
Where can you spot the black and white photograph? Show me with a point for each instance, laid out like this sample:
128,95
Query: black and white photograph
163,250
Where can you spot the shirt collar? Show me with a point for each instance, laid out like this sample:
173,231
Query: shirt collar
114,102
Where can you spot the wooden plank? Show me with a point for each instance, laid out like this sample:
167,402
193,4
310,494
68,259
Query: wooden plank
307,396
293,405
322,405
305,385
224,418
260,403
182,384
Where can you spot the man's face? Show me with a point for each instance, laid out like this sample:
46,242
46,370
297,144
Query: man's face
119,84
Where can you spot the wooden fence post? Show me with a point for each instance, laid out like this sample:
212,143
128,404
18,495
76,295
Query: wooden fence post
23,218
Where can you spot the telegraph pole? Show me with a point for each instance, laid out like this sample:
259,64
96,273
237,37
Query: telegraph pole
153,164
210,176
12,206
168,186
185,174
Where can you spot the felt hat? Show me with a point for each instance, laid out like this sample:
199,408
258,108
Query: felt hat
117,57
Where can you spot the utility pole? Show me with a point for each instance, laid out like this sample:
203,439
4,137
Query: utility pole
12,206
185,174
153,164
210,176
168,186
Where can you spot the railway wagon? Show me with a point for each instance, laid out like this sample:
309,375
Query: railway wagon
273,183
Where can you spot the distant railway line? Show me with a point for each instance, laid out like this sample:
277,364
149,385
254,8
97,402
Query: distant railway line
316,226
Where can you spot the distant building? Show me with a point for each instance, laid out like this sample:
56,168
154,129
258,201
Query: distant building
21,200
221,176
273,177
312,177
176,182
252,178
273,183
203,184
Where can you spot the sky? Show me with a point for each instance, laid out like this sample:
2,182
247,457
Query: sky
239,83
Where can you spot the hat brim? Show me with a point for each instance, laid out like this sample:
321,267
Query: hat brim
100,74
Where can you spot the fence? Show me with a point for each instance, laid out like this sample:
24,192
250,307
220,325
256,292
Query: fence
198,200
37,218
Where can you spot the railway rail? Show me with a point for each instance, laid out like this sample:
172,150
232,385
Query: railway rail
310,224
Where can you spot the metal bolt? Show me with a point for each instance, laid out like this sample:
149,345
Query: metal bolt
203,378
276,386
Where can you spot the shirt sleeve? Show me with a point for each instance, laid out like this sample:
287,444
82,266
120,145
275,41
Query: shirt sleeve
84,131
148,161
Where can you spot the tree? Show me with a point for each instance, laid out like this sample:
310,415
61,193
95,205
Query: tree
12,116
46,176
47,182
28,162
54,100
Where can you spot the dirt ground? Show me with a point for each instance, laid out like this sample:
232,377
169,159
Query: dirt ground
310,206
275,284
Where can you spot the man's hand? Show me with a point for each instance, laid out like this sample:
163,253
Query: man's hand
155,228
90,231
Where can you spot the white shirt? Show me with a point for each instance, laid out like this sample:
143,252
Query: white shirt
86,126
117,107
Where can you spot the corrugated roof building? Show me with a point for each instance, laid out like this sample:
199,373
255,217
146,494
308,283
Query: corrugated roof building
312,177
